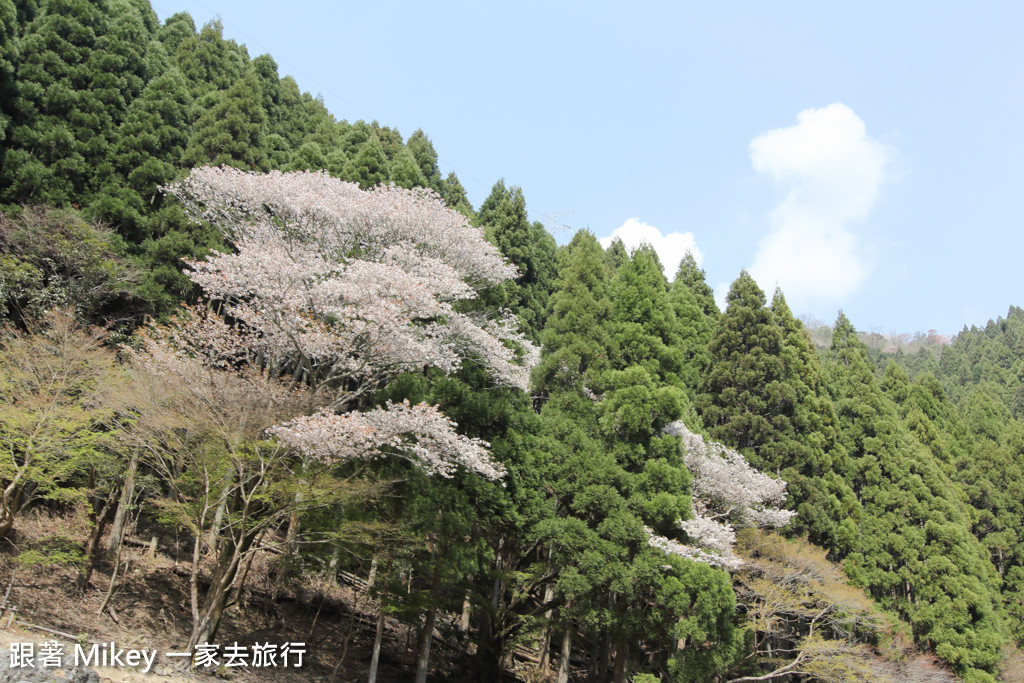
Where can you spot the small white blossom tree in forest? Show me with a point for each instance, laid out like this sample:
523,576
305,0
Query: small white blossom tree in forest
727,493
329,292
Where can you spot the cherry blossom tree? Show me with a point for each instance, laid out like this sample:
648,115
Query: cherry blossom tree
344,284
727,493
340,289
329,292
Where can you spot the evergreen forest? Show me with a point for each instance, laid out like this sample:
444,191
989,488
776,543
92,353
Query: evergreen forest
289,351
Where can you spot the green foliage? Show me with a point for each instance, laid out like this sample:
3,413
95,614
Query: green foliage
616,254
574,340
150,146
57,550
746,384
369,165
696,314
175,239
645,331
209,63
911,469
54,414
610,372
915,552
454,195
265,69
231,132
426,160
764,395
52,258
300,118
526,245
8,62
985,448
390,140
993,354
177,30
404,171
81,64
496,557
692,276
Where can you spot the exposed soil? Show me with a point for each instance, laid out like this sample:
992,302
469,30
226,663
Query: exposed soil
150,609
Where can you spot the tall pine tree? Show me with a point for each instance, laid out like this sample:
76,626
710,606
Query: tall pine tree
232,131
529,247
147,155
696,317
426,159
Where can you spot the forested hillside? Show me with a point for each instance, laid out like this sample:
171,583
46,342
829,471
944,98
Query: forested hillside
294,355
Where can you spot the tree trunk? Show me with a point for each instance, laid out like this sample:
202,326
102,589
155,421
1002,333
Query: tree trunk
564,664
491,648
377,638
422,663
604,661
113,582
621,644
207,619
236,595
291,536
332,569
10,506
127,496
218,517
467,609
210,615
373,571
545,642
594,660
92,544
621,653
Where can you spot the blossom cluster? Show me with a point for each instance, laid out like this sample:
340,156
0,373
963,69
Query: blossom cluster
725,483
727,492
338,219
418,432
714,549
360,282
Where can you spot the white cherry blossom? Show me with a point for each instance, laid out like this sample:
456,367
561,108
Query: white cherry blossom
418,432
335,289
345,283
727,492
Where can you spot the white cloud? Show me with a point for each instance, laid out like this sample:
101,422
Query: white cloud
671,248
832,170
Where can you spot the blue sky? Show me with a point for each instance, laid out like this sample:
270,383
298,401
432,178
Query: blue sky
867,157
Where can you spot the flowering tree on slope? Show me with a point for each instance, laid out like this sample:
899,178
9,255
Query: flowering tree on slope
329,293
727,492
341,289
